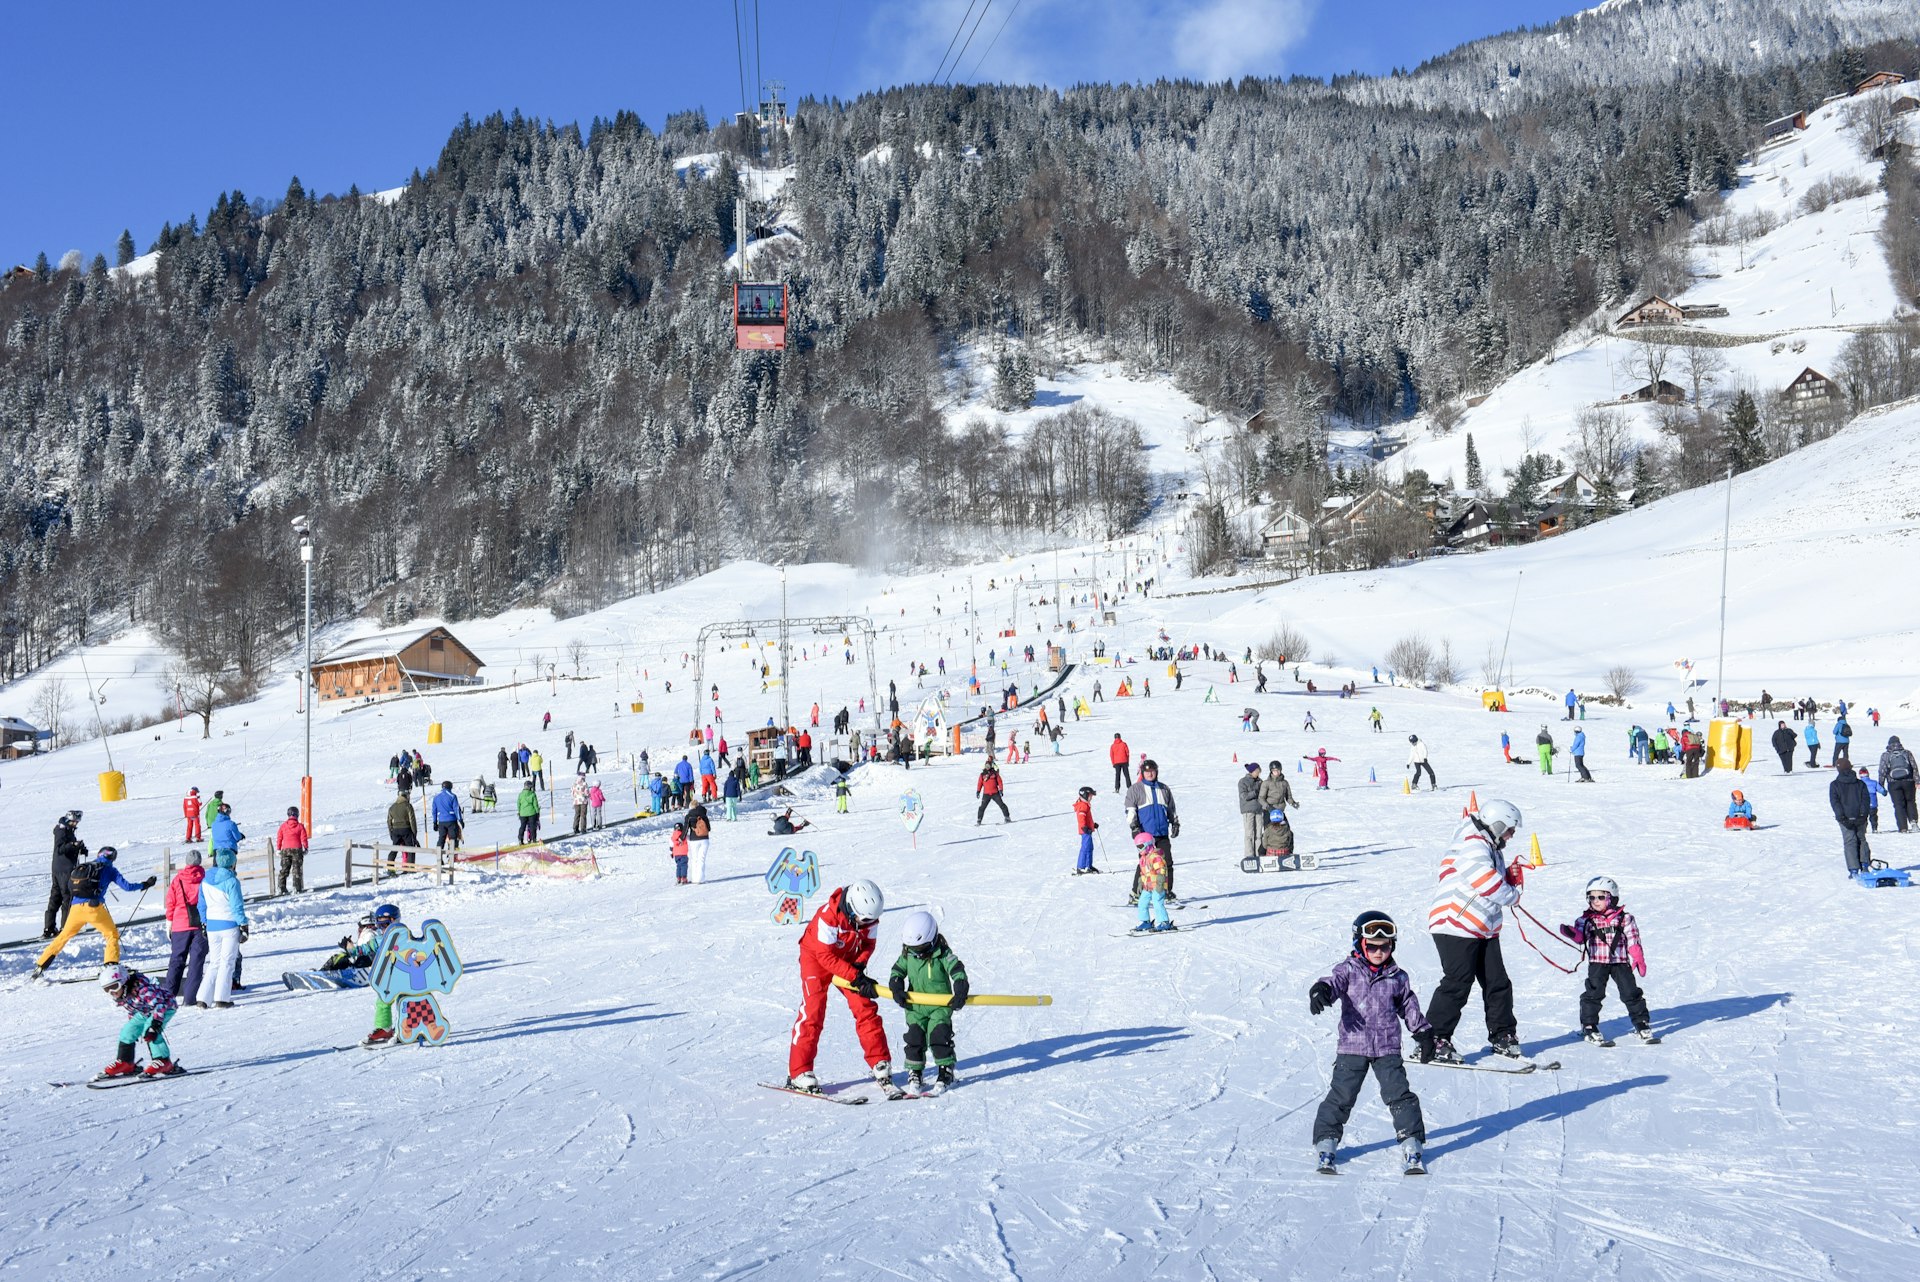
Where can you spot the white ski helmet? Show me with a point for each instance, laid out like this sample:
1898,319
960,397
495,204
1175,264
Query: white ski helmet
1501,818
863,900
113,975
919,930
1606,884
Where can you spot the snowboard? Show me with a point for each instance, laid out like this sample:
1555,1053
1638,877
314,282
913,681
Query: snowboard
784,1089
326,980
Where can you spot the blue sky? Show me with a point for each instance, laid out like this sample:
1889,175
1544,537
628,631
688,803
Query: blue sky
121,117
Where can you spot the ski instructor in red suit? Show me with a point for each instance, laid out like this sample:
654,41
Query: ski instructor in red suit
838,942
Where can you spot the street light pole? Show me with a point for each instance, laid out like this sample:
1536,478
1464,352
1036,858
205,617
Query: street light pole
306,671
785,717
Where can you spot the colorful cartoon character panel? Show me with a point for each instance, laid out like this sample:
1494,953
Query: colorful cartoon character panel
913,811
408,969
794,872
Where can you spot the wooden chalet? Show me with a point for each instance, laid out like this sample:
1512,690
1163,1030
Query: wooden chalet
18,738
1702,311
1288,537
1470,527
1651,310
1880,79
1782,127
1570,487
1350,519
1663,392
394,663
1905,103
1809,389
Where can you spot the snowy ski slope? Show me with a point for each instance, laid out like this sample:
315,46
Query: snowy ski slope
596,1114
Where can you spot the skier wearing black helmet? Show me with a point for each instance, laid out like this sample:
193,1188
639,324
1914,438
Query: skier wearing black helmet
1375,997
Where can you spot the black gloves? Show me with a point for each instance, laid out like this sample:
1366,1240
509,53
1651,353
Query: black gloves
345,944
900,992
1320,996
243,934
959,997
1173,828
1425,1042
149,883
863,984
153,1032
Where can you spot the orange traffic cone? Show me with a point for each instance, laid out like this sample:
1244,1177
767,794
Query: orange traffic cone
1472,806
1236,758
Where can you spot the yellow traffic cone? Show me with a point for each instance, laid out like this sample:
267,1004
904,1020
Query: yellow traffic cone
1539,860
1406,787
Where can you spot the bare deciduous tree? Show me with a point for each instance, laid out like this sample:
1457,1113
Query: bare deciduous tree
1412,657
577,654
1446,668
1602,444
1288,644
1624,682
51,705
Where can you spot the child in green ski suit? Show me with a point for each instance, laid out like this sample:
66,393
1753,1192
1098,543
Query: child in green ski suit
927,965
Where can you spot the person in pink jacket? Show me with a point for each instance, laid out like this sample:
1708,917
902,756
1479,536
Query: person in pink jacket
595,800
291,842
1320,760
187,935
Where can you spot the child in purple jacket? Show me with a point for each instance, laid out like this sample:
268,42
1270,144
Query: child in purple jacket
1612,939
1375,996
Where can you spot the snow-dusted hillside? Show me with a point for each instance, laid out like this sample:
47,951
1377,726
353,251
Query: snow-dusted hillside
595,1110
1796,283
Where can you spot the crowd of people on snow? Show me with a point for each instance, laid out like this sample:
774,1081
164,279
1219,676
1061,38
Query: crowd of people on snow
1477,886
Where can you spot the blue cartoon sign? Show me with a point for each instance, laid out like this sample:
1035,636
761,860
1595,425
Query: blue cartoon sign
408,969
794,876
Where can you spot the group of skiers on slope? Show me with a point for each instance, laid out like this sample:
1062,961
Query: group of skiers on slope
1784,741
1854,796
1375,997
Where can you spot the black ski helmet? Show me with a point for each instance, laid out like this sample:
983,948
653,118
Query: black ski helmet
1086,794
1373,924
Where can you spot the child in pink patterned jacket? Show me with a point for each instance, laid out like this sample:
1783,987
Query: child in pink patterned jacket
1612,939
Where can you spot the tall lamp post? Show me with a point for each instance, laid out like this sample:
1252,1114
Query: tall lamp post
306,670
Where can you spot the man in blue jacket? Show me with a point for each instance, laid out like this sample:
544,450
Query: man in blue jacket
446,816
1580,754
224,834
1570,700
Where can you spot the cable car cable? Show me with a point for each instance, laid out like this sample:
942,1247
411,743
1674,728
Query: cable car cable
970,35
939,74
996,38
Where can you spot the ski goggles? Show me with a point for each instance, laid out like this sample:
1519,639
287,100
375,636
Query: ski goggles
1600,895
1378,932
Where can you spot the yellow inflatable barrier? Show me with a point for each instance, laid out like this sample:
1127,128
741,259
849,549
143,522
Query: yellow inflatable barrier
1729,744
1493,700
433,732
113,785
974,999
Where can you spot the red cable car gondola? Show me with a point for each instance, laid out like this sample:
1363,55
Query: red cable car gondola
760,317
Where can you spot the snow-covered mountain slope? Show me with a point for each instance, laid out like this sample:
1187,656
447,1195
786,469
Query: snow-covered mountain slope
596,1109
1796,283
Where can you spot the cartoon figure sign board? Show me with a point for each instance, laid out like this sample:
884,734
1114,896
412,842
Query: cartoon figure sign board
794,873
913,813
408,969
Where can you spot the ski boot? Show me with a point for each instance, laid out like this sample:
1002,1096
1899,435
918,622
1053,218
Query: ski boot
883,1078
378,1037
1647,1035
119,1068
805,1083
914,1085
1164,927
1142,928
39,972
227,1006
942,1080
1594,1036
1509,1045
163,1068
1410,1155
1323,1164
1443,1053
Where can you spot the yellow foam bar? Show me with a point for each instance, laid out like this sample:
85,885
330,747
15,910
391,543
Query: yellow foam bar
973,999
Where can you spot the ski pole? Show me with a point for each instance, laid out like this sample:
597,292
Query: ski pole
136,907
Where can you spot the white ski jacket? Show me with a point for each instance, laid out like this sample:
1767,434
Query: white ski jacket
1473,888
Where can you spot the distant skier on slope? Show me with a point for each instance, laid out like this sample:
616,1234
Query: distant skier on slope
1320,759
1417,761
838,942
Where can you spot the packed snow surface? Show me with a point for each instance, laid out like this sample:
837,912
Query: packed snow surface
596,1112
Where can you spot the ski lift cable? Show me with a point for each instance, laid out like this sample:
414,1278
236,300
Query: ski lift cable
939,74
975,75
740,53
969,43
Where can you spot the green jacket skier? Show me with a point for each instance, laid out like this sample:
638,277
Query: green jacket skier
928,965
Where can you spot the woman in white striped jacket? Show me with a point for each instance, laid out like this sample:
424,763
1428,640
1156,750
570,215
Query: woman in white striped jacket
1475,884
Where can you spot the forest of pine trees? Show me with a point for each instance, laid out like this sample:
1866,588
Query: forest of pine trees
516,381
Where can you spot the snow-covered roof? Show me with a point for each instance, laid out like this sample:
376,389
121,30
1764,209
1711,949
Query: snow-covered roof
16,726
384,645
